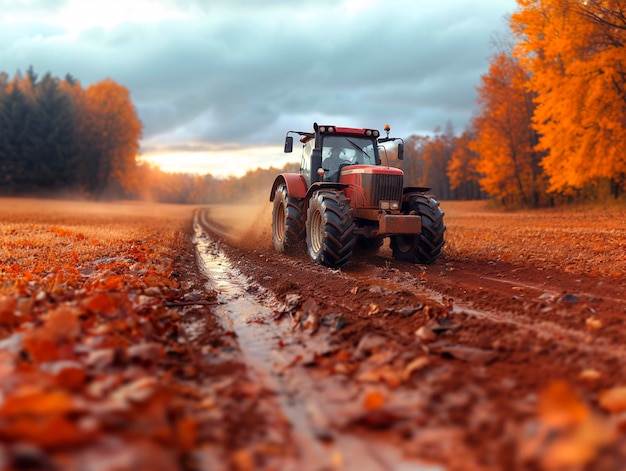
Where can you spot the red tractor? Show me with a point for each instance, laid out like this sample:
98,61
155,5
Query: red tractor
344,197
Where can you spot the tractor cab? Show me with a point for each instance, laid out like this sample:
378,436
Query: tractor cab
328,149
338,152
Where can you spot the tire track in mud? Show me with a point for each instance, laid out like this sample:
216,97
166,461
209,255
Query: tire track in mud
557,331
562,335
534,340
271,348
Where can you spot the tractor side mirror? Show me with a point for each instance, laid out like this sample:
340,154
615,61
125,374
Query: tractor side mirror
400,150
288,144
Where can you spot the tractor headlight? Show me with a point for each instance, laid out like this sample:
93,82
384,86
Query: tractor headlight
387,205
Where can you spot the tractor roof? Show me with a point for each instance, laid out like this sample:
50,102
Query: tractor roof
330,129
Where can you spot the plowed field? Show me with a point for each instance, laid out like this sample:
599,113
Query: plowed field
191,344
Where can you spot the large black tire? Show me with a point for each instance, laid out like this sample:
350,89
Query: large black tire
329,228
425,247
287,221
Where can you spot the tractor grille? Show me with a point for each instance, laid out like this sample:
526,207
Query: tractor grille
382,187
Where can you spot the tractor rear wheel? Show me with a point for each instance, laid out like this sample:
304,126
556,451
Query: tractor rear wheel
425,247
287,224
330,228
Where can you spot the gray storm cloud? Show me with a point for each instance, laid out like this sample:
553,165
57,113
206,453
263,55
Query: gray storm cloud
241,73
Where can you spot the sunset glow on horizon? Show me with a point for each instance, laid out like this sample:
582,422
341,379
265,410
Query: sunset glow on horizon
221,164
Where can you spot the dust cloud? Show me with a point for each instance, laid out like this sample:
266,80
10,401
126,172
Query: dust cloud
248,226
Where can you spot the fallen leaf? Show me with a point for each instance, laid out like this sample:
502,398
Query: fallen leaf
425,334
373,309
415,365
67,373
136,391
559,406
100,302
51,431
373,400
613,400
187,433
590,375
593,323
33,400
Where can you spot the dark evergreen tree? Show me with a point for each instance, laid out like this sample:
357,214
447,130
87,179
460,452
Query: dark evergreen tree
15,130
55,155
32,77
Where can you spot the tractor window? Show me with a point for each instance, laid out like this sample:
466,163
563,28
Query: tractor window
305,164
351,149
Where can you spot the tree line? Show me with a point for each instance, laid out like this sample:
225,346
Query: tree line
58,138
550,125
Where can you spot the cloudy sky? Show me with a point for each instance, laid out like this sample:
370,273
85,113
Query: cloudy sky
217,84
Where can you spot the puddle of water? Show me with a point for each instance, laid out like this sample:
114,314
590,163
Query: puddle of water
258,337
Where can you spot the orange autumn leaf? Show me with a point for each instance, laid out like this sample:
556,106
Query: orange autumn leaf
112,283
61,325
48,431
100,302
187,433
559,406
41,348
68,374
614,399
374,400
570,435
32,400
8,312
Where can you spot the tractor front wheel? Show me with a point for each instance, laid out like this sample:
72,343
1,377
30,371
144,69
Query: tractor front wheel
330,228
425,247
287,224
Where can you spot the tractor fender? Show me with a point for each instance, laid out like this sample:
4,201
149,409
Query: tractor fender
296,186
321,186
325,186
414,189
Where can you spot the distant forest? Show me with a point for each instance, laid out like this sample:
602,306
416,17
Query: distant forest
58,138
550,127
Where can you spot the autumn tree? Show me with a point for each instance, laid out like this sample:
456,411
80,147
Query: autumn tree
574,51
425,161
413,163
109,133
437,154
505,140
462,169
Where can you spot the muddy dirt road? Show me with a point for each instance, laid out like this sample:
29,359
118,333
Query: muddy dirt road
509,353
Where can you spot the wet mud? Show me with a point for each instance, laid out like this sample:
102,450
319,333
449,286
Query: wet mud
389,365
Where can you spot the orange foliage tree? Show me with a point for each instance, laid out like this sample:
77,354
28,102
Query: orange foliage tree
462,170
110,132
426,159
574,52
505,141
